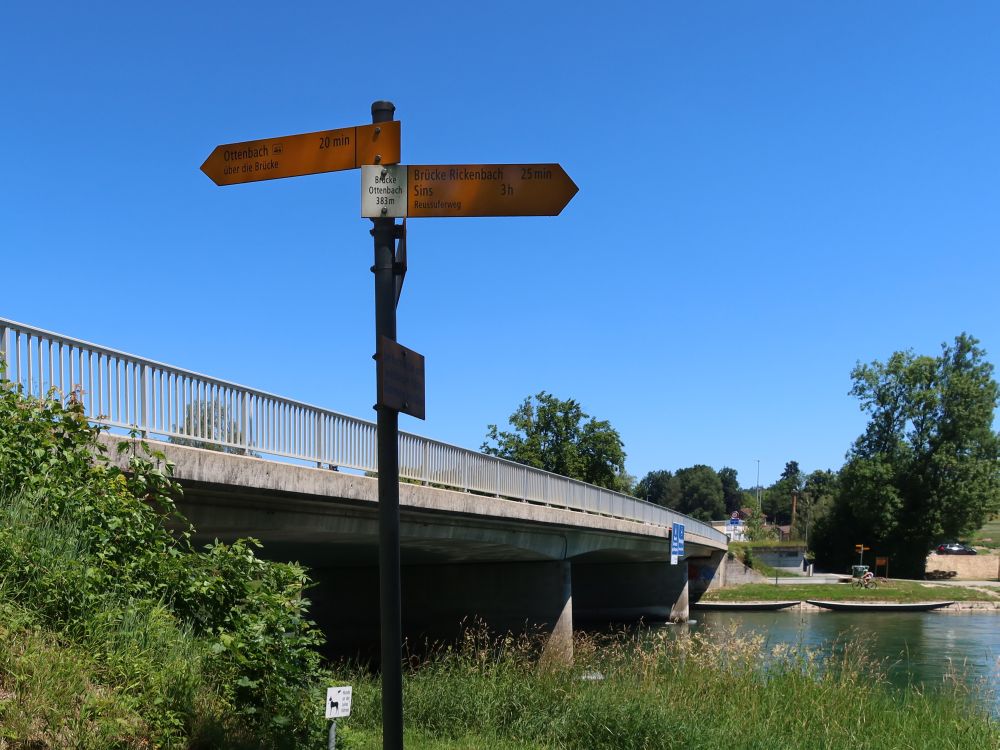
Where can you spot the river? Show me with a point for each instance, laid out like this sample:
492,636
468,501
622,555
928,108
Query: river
920,648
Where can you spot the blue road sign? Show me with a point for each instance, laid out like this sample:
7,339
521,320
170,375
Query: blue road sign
676,542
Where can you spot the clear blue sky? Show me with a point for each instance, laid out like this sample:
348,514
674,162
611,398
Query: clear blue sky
769,192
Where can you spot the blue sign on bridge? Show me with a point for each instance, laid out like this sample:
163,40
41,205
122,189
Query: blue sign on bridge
676,542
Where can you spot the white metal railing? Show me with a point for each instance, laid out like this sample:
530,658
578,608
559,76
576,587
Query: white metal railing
124,391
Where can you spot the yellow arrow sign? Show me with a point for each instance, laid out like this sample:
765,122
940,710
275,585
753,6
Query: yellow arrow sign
306,153
488,190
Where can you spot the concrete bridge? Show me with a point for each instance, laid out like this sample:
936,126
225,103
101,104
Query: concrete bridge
480,537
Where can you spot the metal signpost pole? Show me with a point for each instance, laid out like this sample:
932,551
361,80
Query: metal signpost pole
384,233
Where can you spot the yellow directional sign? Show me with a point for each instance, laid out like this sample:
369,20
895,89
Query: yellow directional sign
465,190
306,153
488,190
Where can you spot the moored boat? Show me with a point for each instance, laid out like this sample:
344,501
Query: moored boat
878,606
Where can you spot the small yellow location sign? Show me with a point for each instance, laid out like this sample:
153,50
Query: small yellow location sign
306,153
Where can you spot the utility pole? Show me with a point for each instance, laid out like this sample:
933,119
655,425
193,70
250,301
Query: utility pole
384,232
758,486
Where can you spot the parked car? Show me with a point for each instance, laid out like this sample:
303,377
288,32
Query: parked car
954,548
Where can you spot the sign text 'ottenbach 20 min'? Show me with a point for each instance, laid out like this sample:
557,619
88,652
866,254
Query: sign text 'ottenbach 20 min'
306,153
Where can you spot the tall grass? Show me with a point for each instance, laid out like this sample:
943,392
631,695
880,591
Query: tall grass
85,671
660,691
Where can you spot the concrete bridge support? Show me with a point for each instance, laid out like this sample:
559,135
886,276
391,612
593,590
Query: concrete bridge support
518,597
707,573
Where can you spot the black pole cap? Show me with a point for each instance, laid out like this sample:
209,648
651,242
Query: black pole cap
382,111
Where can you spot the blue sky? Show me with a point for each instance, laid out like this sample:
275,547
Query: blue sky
769,193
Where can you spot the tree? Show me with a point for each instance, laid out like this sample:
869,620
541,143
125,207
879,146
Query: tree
819,490
701,493
658,487
212,426
928,464
777,501
732,495
697,491
756,530
551,434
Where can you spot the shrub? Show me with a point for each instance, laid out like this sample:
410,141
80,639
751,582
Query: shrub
103,556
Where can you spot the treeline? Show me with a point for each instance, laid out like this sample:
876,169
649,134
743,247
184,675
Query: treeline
926,469
708,495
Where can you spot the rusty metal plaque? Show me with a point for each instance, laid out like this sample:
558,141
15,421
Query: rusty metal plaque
400,378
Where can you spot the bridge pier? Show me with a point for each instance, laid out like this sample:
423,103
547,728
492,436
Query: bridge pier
515,597
707,573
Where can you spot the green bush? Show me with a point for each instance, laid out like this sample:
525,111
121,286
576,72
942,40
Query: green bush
214,643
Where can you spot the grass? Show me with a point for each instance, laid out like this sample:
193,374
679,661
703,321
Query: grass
662,691
768,544
51,694
989,535
894,591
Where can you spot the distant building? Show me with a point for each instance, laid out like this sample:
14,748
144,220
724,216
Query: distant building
734,528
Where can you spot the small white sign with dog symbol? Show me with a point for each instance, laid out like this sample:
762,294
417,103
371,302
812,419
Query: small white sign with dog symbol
338,702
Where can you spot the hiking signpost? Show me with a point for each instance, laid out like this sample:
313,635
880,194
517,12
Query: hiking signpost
390,190
861,549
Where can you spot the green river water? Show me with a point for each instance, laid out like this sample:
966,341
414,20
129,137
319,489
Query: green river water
917,648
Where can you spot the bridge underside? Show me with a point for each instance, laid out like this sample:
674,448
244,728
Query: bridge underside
511,565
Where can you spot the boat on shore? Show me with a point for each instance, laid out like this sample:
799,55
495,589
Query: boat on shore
878,606
744,606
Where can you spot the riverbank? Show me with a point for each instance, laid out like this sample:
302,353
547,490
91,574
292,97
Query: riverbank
805,606
660,690
894,590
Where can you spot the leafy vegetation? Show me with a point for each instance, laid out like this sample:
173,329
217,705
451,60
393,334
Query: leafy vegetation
698,491
212,426
927,467
165,645
659,689
551,434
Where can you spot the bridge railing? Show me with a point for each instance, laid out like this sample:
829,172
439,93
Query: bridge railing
124,391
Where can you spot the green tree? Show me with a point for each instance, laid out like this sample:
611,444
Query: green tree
701,494
777,499
819,490
928,464
659,487
756,530
732,495
558,436
212,426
